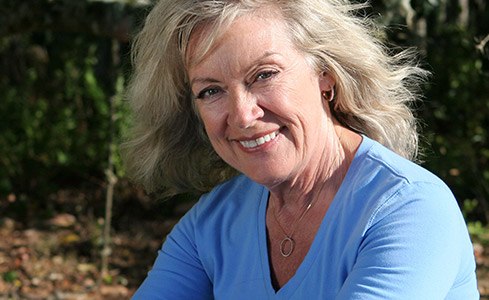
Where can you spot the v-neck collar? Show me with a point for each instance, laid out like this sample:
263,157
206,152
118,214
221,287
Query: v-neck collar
291,286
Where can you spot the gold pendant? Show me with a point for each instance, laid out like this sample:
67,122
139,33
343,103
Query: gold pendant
284,250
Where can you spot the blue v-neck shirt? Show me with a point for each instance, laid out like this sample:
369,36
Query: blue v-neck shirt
393,231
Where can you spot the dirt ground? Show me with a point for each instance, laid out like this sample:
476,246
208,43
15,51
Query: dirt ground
59,257
54,251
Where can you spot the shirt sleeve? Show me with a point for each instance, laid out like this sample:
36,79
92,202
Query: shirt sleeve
177,272
414,248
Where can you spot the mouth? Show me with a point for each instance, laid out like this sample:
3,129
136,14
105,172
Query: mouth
259,141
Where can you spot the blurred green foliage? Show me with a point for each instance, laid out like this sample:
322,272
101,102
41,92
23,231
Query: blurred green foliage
56,111
60,88
452,37
10,276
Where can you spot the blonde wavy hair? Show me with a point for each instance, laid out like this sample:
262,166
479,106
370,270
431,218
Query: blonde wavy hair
169,151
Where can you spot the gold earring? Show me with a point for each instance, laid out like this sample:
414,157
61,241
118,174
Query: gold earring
328,95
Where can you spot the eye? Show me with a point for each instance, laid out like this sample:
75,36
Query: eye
265,75
208,93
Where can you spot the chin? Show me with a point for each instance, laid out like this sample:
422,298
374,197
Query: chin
268,178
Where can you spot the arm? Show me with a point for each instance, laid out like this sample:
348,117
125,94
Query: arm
414,248
177,272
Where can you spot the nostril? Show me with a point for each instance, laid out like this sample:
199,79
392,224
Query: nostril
244,113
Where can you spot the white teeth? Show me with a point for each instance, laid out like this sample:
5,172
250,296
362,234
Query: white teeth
249,144
259,141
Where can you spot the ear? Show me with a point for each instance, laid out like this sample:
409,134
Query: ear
326,82
327,90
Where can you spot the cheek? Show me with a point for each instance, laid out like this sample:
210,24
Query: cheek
288,102
213,121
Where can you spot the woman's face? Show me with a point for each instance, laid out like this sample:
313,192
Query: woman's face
260,101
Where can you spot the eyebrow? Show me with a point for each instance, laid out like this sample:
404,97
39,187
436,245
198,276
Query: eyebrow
203,80
213,80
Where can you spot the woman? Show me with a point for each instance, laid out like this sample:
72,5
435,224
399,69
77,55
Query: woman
302,101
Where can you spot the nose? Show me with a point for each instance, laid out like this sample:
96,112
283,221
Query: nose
244,110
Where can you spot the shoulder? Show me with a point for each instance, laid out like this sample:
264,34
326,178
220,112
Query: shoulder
221,220
380,169
225,203
386,182
384,163
229,194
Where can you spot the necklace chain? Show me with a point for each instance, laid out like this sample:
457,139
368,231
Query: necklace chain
287,244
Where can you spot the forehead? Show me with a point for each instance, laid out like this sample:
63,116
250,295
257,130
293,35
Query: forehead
249,31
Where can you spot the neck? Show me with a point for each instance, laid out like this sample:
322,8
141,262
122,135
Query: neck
320,179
